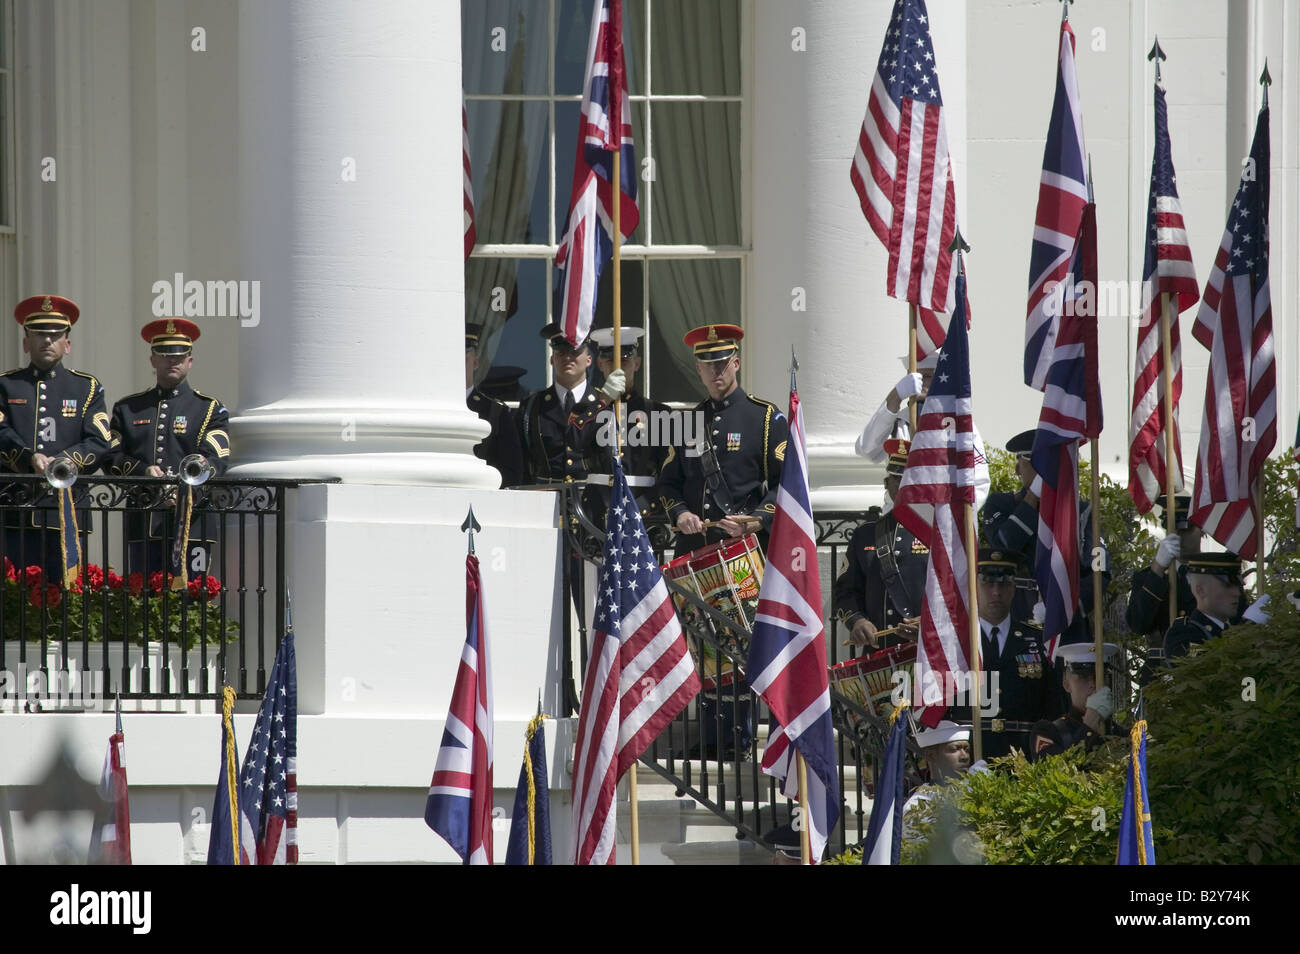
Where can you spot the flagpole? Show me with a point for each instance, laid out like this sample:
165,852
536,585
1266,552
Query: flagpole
1098,600
972,595
805,834
1171,525
911,359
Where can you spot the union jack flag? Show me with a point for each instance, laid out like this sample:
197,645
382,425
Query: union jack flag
110,838
471,234
459,807
1062,193
1167,270
787,655
606,125
268,782
938,485
1235,322
901,169
639,675
1071,413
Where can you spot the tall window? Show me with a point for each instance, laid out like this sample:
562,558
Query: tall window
523,69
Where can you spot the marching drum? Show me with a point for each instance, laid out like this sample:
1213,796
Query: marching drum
869,680
727,576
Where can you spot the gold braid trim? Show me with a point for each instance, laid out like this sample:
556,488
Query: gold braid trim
232,770
1139,810
532,787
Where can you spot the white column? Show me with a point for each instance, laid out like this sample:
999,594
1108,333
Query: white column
809,232
350,192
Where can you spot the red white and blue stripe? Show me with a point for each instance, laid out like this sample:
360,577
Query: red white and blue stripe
1071,413
1167,270
787,655
268,781
1235,322
640,675
938,484
884,844
1062,194
901,169
605,125
471,234
459,807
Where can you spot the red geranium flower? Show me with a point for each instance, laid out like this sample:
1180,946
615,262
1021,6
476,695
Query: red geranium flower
95,576
196,588
49,596
156,581
135,583
115,582
32,576
10,572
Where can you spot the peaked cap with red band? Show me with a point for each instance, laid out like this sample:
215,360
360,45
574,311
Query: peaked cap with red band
47,313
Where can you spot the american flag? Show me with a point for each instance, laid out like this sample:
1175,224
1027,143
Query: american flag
787,655
606,125
1235,322
231,840
110,839
1071,413
471,235
639,675
1168,269
937,485
1062,193
459,807
901,169
268,781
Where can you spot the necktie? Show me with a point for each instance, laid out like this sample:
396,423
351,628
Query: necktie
568,403
991,652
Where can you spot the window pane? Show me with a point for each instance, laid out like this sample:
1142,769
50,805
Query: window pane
683,295
566,149
507,151
695,47
573,35
508,297
697,173
504,46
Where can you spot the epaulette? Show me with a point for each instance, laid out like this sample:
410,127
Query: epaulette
13,371
135,395
761,403
207,397
82,374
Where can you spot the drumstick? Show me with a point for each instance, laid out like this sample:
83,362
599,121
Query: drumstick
744,520
907,623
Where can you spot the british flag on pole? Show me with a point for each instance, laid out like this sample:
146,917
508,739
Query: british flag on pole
787,655
938,484
1167,270
459,807
605,126
1062,194
1235,322
901,171
639,674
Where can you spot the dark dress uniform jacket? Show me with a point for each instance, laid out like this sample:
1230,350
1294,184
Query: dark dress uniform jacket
1190,631
1009,523
501,447
641,458
1148,603
59,412
1024,686
553,442
163,426
1055,736
867,589
749,436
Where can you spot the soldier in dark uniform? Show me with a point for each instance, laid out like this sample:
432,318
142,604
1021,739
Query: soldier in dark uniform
1215,579
554,423
644,450
501,447
47,410
1148,602
1014,654
156,429
883,582
1009,522
733,470
1090,707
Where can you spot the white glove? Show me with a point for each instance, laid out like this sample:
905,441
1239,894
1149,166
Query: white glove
1101,703
1255,611
1040,613
615,384
1170,549
909,385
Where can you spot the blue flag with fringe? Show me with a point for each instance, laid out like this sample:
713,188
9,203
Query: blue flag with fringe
1135,843
530,827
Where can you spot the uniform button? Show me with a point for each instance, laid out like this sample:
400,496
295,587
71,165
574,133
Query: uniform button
164,404
40,447
715,433
42,407
568,460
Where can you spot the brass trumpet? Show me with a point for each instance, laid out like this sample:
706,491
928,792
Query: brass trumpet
61,473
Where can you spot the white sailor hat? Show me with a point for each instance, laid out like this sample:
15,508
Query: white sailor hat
942,734
1081,654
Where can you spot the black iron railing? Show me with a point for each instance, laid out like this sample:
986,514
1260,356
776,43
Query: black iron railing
723,774
127,622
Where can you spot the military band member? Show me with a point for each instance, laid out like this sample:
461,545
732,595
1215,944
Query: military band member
501,447
643,447
733,470
1215,579
883,582
156,429
1013,652
1090,707
1009,522
555,424
48,410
